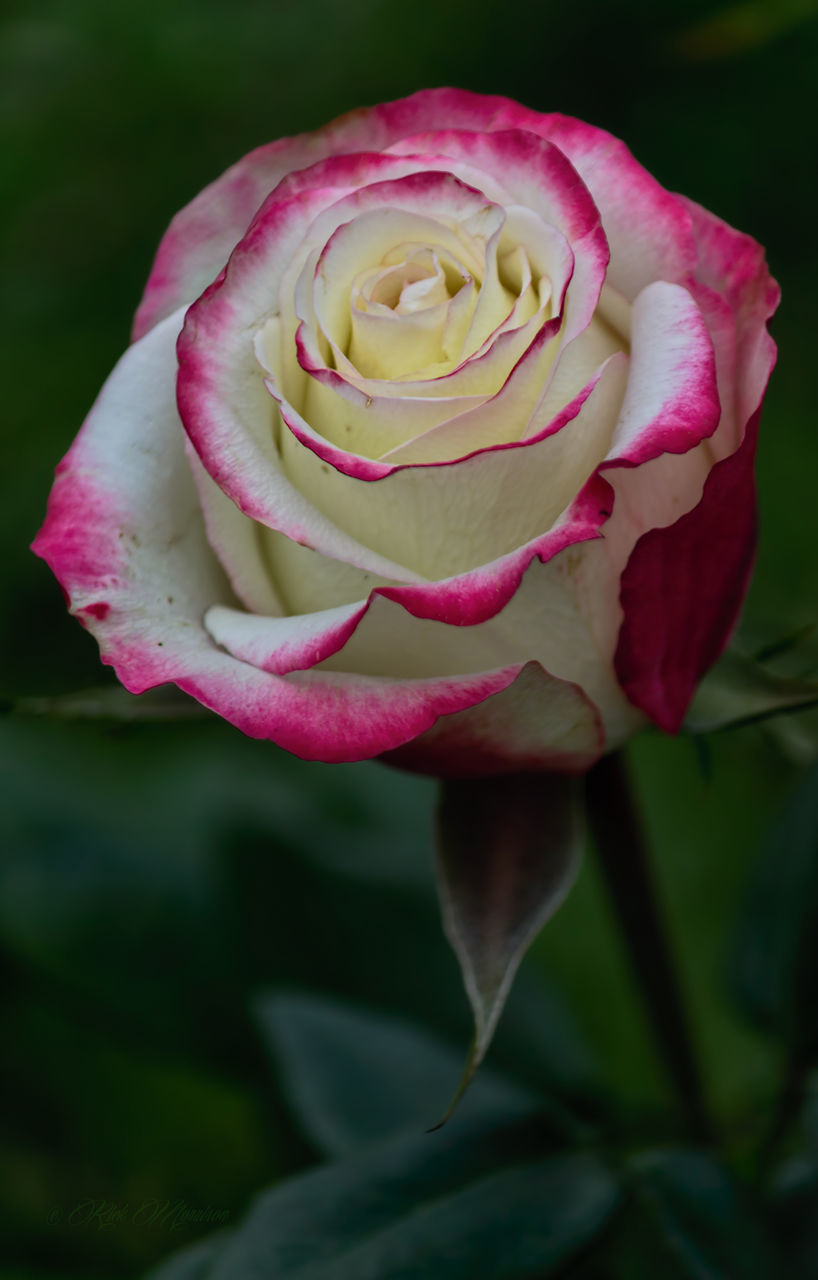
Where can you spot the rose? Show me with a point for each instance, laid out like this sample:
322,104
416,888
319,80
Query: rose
469,406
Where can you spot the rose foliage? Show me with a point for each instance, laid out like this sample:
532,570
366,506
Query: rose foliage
435,440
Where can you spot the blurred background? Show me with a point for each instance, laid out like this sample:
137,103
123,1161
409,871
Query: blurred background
156,878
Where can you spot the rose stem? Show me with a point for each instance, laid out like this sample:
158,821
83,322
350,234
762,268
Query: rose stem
621,849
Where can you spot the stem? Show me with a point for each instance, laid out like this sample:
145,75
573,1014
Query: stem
623,856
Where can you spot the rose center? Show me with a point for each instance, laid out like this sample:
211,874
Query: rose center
409,313
410,284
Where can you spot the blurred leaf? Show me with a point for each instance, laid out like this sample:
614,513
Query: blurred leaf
26,1273
508,852
112,702
686,1220
787,644
192,1263
742,27
794,738
794,1212
354,1077
425,1206
92,1121
324,1212
775,960
739,691
519,1222
793,1192
539,1044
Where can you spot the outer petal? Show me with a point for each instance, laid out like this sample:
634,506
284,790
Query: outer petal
284,644
547,620
733,266
124,532
125,537
684,584
535,723
682,590
672,399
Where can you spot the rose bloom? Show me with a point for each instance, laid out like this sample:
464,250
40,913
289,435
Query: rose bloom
435,440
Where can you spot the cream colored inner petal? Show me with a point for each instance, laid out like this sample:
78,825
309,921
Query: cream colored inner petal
501,419
457,316
411,278
575,368
422,310
443,520
495,302
534,260
307,582
397,302
409,314
363,244
372,425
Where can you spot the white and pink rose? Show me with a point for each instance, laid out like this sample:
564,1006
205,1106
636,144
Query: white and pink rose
435,441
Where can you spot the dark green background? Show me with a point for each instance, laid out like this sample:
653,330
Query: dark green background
153,876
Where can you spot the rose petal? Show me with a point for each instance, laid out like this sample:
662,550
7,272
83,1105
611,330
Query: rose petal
307,582
545,721
282,645
124,532
732,267
682,589
672,398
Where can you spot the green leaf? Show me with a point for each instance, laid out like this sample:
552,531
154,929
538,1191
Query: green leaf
508,852
775,960
686,1220
355,1077
739,691
426,1206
